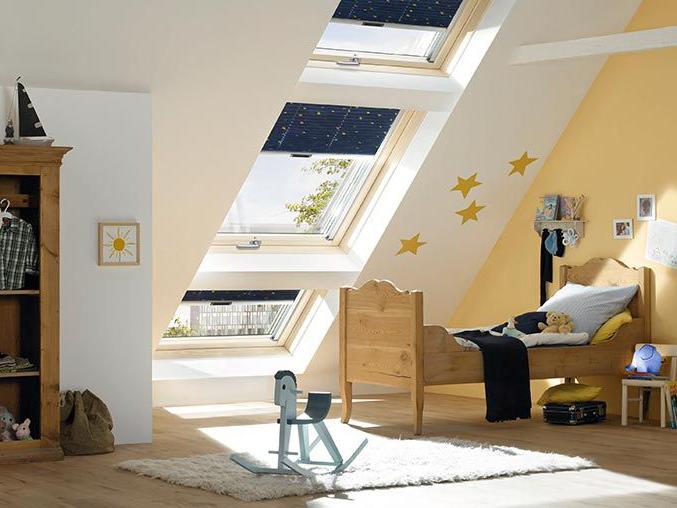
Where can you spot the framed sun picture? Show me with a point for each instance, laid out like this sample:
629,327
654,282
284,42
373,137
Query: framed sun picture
119,243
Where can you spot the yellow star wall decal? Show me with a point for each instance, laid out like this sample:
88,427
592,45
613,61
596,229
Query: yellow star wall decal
465,185
520,165
470,213
411,245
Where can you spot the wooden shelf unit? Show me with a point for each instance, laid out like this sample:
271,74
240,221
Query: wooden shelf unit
29,317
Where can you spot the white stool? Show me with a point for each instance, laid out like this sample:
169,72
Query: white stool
666,351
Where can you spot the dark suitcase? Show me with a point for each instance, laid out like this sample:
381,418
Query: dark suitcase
575,413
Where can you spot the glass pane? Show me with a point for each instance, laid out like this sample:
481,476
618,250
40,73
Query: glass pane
381,40
219,314
288,195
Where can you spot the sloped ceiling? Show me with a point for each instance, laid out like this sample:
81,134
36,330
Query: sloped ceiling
219,73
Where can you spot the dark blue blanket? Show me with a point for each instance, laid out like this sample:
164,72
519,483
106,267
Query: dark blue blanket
506,375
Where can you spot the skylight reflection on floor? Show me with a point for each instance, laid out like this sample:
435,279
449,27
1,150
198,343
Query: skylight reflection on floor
223,410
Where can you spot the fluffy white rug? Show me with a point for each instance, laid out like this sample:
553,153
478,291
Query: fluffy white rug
384,462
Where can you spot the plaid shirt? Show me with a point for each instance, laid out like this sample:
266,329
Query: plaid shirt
18,253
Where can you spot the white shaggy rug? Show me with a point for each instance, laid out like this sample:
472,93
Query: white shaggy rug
385,462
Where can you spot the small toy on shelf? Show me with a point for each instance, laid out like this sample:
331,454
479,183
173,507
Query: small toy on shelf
6,422
556,322
21,430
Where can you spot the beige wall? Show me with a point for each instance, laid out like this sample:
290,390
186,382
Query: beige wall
621,142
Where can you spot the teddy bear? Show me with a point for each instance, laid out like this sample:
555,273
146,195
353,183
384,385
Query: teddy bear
6,422
556,322
21,431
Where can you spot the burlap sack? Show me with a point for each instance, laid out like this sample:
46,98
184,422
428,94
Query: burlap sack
86,424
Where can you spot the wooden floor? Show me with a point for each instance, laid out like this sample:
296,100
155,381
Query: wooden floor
638,464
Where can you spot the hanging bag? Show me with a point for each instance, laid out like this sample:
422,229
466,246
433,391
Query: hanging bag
86,424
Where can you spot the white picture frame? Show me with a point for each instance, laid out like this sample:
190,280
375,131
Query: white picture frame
623,229
646,207
119,243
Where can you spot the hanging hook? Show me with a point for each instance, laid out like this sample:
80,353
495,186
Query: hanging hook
6,202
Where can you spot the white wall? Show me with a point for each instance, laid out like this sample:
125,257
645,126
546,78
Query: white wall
105,311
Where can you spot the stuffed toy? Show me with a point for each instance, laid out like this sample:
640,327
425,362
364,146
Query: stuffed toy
556,322
6,422
511,330
21,431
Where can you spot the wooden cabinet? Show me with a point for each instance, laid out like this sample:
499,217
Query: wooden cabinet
29,316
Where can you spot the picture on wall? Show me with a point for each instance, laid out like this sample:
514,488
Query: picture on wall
646,207
623,229
547,207
119,243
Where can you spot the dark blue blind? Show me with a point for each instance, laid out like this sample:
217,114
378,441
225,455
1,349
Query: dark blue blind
322,128
437,13
249,295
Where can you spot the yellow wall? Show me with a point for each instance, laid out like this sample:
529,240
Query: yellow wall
621,142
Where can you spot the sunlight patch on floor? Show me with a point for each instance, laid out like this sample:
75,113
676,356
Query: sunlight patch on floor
221,410
238,409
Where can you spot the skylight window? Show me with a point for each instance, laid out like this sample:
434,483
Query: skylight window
232,318
414,31
311,170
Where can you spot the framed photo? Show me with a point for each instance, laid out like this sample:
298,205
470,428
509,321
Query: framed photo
119,243
623,229
646,207
547,207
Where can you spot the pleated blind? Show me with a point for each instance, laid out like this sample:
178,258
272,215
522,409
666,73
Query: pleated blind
433,13
322,128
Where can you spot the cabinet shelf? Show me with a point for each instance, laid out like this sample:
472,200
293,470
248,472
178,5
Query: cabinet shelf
19,292
24,373
21,200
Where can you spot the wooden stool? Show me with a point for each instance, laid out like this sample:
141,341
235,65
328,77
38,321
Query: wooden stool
666,351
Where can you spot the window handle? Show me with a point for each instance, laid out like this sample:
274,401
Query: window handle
251,245
353,62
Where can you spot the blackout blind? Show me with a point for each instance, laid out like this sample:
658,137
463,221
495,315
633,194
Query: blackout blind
323,128
435,13
250,295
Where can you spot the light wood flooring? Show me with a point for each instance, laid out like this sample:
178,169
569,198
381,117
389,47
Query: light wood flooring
638,464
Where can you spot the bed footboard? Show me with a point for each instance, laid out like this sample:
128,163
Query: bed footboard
381,342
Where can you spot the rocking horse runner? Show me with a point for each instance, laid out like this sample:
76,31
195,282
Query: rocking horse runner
316,410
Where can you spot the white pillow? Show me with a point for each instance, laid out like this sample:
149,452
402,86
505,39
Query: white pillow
590,306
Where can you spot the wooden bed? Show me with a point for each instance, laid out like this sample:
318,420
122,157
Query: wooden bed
383,339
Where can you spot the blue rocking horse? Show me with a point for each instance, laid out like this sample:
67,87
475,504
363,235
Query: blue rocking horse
315,412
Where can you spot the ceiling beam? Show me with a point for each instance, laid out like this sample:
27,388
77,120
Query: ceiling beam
627,42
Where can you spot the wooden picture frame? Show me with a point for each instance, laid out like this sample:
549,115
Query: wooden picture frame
119,244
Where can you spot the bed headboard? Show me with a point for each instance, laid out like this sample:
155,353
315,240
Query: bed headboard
611,272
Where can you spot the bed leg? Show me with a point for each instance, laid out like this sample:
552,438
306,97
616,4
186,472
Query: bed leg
417,401
347,401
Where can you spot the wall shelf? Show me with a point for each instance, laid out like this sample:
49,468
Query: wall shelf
578,225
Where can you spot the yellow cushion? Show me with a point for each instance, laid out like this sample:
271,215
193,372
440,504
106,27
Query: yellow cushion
569,392
609,329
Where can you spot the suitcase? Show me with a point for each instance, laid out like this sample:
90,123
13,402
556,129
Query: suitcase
575,413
